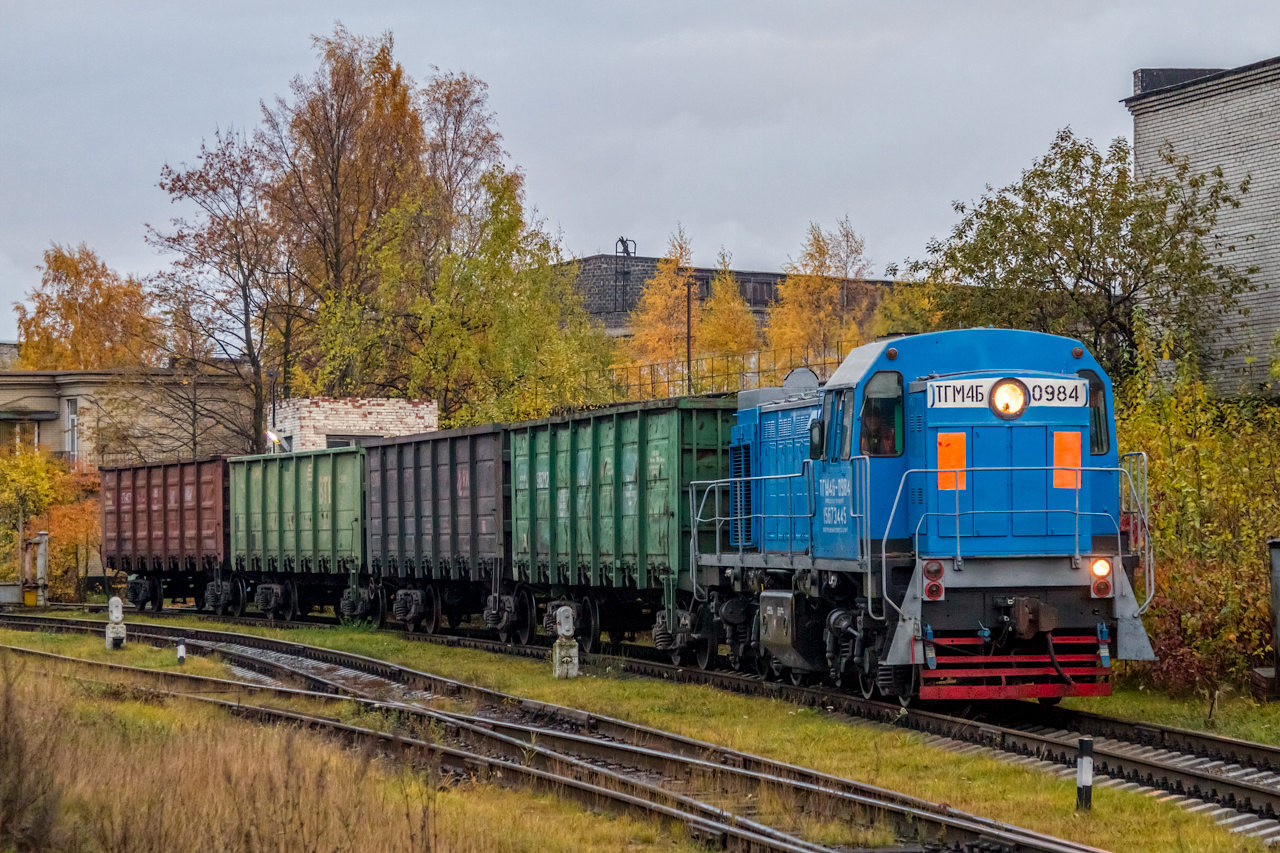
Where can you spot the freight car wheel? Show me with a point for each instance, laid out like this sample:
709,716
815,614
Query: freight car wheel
291,610
430,620
157,595
239,597
200,600
704,652
589,630
527,629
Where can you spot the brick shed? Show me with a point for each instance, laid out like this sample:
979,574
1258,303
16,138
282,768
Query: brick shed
313,423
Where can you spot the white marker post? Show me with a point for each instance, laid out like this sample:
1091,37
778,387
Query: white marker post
115,633
182,651
1084,775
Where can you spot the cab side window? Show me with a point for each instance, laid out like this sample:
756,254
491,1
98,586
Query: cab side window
846,424
1099,425
882,405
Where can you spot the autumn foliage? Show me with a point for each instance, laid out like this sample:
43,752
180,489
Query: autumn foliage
818,311
669,310
84,316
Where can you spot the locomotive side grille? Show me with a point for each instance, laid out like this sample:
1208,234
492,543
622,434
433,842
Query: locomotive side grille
740,495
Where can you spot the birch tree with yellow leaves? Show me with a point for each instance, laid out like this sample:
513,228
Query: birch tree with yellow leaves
813,322
666,320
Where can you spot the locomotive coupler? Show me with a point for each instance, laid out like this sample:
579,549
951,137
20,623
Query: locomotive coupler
1031,616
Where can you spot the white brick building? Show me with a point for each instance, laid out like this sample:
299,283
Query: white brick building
1228,118
313,423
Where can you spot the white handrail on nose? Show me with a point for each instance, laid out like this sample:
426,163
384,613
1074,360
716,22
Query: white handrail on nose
1139,509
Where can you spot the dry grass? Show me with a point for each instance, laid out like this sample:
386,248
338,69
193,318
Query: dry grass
116,774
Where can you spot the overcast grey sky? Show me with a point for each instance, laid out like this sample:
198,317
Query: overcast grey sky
741,120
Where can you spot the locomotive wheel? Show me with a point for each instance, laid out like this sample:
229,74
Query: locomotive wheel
430,621
904,699
866,684
704,652
157,595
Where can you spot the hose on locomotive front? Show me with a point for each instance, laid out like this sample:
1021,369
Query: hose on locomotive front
1053,658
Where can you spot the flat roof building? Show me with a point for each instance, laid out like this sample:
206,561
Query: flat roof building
1228,118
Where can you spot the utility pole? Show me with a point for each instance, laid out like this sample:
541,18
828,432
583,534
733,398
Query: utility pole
688,336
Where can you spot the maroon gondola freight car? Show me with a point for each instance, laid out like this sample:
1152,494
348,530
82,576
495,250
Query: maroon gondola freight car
166,527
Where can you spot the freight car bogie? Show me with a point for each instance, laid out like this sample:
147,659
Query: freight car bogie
149,590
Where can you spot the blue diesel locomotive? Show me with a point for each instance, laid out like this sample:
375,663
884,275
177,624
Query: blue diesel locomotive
948,517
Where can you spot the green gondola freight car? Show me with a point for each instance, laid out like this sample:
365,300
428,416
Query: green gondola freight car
600,514
297,531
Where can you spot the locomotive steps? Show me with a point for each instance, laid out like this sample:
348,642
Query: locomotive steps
790,731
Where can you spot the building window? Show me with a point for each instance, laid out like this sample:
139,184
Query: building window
332,441
18,434
72,435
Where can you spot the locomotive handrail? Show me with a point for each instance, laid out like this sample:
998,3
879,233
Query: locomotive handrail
1136,464
1123,471
696,508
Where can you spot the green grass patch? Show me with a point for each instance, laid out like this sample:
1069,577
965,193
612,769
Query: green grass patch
894,759
1232,715
94,648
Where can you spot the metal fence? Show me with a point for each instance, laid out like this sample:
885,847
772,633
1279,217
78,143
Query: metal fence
716,374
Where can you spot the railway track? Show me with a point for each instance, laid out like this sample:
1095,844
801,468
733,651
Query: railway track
503,759
1235,782
635,759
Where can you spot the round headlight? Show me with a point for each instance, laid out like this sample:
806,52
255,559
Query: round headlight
1009,398
1100,568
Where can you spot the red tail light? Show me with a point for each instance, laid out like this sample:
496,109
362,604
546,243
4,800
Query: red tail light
1102,588
933,590
933,570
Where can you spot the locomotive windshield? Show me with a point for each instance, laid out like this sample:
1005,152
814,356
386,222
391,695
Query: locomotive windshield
1099,426
882,415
